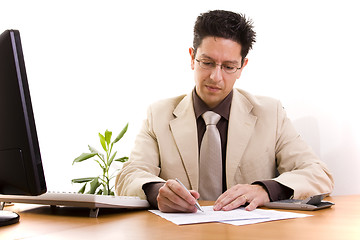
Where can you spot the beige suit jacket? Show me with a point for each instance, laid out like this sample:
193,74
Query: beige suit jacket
262,144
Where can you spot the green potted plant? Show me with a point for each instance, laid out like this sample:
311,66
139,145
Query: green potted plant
101,184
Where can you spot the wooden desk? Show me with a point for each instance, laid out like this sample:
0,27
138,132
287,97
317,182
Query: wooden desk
342,221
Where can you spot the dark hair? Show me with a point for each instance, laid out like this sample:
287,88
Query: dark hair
225,24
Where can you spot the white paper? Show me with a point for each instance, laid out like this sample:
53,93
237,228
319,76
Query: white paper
209,215
269,215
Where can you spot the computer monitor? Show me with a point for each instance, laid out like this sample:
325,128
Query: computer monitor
21,170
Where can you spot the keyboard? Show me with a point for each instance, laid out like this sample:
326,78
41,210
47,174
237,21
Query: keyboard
78,200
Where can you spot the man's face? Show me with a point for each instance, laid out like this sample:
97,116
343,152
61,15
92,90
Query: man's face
213,85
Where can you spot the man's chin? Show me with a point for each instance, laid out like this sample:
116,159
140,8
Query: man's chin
213,100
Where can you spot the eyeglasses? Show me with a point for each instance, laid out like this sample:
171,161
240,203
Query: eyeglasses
208,64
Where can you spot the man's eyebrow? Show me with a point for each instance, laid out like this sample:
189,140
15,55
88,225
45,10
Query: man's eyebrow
205,56
231,62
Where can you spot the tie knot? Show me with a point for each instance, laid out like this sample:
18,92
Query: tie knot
211,118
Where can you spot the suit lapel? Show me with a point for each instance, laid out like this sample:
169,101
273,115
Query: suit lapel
184,130
241,126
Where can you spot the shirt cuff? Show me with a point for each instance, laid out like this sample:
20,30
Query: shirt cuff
151,190
275,190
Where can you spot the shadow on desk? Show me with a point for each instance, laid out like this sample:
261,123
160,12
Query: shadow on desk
75,211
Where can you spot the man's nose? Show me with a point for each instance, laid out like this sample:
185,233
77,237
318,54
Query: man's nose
216,73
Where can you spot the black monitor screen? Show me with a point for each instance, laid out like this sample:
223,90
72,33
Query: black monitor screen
21,171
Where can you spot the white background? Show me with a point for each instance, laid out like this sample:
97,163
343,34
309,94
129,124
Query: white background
96,65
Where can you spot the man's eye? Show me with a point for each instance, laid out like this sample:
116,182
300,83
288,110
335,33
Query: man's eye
208,63
228,67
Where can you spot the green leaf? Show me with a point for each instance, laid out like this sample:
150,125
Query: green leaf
111,146
121,134
94,184
83,157
82,180
102,181
82,190
111,159
105,191
108,136
102,141
101,156
103,167
123,159
93,150
99,192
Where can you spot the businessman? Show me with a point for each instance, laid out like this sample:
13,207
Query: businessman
224,144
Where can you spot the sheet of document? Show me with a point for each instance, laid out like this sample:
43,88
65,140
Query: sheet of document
235,217
269,215
209,215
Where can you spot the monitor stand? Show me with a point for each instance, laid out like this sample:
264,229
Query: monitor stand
7,217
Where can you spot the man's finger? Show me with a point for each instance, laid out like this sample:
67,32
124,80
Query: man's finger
181,192
252,206
166,205
229,196
173,197
241,200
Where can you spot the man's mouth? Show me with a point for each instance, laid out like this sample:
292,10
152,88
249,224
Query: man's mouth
213,88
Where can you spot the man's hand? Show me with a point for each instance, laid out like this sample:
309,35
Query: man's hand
173,197
240,194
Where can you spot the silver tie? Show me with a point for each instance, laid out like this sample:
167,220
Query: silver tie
210,176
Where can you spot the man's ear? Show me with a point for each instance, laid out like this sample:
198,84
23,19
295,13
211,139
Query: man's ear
242,68
192,55
245,63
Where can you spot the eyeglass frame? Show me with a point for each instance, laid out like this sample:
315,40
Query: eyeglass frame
215,64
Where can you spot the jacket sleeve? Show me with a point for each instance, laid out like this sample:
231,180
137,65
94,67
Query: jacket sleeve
143,165
299,168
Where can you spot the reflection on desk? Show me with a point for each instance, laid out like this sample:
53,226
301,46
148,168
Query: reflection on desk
342,221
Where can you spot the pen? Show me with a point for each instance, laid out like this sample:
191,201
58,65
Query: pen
197,205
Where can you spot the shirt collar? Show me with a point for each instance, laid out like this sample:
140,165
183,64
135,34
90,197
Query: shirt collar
223,108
